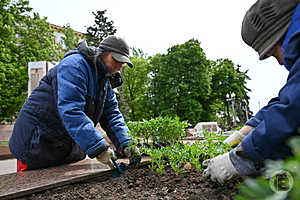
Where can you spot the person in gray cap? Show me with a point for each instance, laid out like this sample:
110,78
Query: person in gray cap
272,28
57,123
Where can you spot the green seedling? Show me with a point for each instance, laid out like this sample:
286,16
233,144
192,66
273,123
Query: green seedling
162,139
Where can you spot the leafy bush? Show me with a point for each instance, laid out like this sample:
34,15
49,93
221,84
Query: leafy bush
158,130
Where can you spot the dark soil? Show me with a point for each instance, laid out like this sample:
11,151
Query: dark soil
144,184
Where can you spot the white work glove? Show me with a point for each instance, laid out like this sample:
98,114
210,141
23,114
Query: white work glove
234,139
220,169
106,157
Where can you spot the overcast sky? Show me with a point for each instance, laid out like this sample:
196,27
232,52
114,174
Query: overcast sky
156,25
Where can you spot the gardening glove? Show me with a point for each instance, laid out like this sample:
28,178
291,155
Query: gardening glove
133,154
234,139
106,157
220,168
246,129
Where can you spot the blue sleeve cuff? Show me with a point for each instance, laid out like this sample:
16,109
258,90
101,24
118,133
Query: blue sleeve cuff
245,167
250,150
97,148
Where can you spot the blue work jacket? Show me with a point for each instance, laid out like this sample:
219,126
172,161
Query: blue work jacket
56,124
277,122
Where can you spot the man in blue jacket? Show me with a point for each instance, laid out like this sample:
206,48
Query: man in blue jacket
56,124
272,28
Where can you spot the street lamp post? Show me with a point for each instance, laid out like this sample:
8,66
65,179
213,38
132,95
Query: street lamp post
231,98
228,112
246,109
233,110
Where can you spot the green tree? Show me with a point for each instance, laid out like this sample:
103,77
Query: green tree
181,83
136,85
101,29
37,41
12,84
22,39
226,80
70,40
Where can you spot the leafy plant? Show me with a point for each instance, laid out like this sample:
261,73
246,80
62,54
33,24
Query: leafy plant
178,154
158,130
157,162
172,152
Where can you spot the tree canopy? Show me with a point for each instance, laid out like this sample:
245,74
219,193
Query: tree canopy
70,40
101,29
136,85
183,83
22,39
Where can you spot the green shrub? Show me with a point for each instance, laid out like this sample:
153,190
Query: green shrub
158,130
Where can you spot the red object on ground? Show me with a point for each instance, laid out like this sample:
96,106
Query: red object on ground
21,166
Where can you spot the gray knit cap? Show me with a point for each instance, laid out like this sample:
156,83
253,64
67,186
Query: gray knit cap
265,24
118,47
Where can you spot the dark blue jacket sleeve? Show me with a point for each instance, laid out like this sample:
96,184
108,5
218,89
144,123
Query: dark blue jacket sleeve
254,121
73,76
115,118
278,122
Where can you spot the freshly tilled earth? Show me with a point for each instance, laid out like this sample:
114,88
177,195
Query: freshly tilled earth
145,184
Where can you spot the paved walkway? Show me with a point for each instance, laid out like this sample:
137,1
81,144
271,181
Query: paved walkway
8,166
